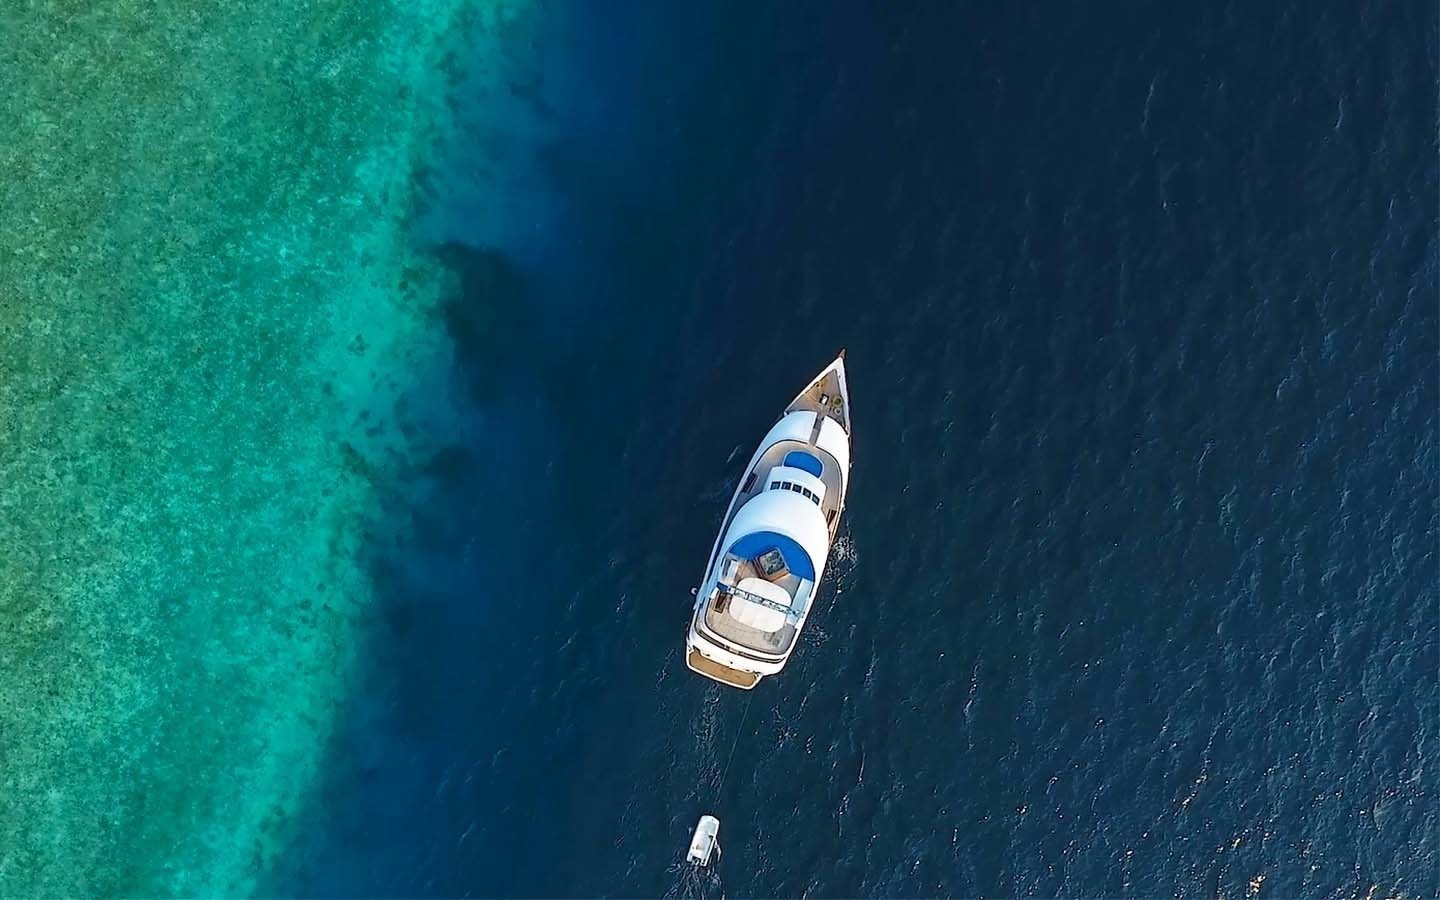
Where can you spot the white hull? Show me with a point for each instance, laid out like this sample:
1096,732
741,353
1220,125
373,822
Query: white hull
768,560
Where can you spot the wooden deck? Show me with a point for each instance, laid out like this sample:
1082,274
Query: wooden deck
826,398
772,642
711,669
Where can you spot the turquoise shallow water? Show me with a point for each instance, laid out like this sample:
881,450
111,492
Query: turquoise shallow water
210,294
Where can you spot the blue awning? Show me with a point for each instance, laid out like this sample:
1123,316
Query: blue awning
799,459
758,542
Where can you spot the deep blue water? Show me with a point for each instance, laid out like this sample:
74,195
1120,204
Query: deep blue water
1137,592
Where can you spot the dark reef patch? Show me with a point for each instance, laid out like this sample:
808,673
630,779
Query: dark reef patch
492,319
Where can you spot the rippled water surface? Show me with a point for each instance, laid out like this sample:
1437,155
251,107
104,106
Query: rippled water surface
1136,592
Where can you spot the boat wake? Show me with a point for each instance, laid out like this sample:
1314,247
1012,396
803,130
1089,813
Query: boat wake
689,880
844,555
704,729
841,572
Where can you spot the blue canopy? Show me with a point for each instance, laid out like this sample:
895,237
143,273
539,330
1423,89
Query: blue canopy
799,459
758,542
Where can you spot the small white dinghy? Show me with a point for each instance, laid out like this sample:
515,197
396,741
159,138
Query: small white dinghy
704,845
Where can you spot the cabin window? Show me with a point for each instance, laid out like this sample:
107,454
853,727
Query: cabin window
816,499
806,492
774,485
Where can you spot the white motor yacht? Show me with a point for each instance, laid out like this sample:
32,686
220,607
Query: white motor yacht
766,565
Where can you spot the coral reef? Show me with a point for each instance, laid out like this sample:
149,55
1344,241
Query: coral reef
207,281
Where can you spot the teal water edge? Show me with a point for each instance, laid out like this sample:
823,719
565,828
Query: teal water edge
210,299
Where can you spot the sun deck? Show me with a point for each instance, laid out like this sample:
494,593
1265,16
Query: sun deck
772,642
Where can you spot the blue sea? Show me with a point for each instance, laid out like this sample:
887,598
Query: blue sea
1136,593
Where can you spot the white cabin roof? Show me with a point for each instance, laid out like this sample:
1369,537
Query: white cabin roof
834,441
789,514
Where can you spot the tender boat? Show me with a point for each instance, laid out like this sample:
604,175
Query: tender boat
766,565
705,843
